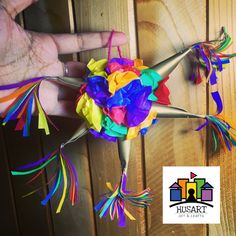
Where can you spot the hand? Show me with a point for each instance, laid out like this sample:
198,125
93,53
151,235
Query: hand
25,54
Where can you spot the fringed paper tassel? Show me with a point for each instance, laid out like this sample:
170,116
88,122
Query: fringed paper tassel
210,58
114,203
222,132
65,176
21,107
210,55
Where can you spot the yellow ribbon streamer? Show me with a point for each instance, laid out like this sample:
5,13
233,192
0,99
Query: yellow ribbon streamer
42,120
128,214
64,187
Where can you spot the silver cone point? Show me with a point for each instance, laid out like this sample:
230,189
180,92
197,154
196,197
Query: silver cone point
70,81
79,133
174,112
124,147
165,67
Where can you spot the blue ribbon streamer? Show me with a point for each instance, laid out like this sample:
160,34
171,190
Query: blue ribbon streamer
26,130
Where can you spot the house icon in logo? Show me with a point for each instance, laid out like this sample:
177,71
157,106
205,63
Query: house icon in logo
207,192
175,192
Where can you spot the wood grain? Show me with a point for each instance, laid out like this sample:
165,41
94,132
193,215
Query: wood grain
95,15
164,28
222,13
20,151
104,164
8,219
57,17
52,17
79,219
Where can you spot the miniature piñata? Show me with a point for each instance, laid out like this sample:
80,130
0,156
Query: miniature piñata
119,99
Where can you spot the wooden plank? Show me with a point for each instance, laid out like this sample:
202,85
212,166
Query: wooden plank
164,28
221,13
50,17
33,218
79,219
55,17
8,218
95,15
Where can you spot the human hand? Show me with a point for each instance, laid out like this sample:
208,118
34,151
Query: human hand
25,54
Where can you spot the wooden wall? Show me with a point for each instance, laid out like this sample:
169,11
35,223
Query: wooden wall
156,29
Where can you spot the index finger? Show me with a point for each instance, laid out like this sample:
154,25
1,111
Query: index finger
13,7
71,43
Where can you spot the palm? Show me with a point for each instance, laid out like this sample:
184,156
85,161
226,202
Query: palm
25,54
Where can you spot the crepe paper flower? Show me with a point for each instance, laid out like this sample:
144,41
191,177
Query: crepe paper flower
87,109
121,61
97,89
118,80
117,114
112,129
162,92
139,109
119,99
103,135
151,78
142,128
121,65
97,67
138,64
134,97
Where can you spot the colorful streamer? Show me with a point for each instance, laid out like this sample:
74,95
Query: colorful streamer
210,57
21,107
114,203
222,132
64,175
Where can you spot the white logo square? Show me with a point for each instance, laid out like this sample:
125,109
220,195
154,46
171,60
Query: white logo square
191,195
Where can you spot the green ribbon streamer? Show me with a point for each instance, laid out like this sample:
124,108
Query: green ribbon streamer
34,170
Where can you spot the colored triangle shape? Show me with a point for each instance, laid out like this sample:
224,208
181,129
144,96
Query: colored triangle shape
192,175
175,185
206,185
